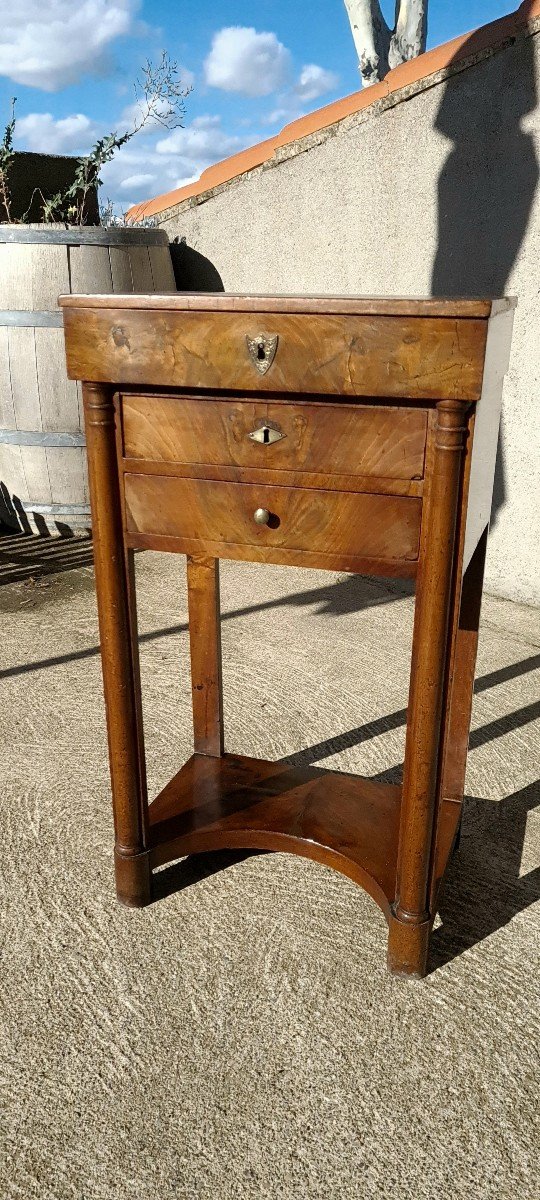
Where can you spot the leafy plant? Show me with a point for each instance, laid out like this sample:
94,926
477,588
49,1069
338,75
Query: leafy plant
110,218
159,99
7,154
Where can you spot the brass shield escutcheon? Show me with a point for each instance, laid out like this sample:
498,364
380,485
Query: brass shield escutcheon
262,350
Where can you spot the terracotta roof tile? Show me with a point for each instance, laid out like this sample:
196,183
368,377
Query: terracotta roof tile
322,117
469,44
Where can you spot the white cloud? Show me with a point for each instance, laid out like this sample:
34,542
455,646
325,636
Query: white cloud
204,141
133,176
49,44
69,135
282,115
242,60
148,168
314,81
185,180
137,182
130,163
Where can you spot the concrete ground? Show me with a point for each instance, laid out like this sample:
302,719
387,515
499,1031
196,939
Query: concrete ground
241,1038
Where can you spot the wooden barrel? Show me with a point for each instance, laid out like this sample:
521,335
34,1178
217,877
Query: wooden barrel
43,480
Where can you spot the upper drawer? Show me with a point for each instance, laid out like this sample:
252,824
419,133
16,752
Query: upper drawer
390,356
349,439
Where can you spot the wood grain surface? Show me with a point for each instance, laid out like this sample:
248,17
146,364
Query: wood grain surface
399,357
349,523
187,477
346,439
205,654
425,713
297,479
118,652
374,306
347,822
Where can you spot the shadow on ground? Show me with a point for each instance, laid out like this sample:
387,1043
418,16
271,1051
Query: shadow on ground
484,889
351,594
26,556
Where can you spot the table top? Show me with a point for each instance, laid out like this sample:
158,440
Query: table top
335,305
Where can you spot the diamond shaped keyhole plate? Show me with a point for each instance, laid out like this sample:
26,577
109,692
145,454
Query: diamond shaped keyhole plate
265,435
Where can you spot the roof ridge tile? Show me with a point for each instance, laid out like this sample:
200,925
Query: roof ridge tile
459,49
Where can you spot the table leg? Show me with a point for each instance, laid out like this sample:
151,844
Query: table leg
205,646
462,677
461,683
119,664
411,920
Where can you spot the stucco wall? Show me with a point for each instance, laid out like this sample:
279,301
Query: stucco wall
435,195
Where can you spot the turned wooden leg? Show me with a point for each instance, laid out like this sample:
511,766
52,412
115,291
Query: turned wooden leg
119,660
409,927
205,646
408,945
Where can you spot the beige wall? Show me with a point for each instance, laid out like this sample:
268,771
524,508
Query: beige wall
435,195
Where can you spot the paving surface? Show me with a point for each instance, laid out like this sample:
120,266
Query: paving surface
241,1038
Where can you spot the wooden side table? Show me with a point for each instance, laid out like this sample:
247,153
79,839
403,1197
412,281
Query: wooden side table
356,435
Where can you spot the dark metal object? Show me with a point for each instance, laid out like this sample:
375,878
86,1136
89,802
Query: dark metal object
19,318
84,236
266,434
41,437
262,350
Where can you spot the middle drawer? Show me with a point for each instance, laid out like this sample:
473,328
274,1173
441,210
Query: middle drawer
344,439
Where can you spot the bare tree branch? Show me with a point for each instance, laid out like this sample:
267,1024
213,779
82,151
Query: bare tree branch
409,36
380,48
371,38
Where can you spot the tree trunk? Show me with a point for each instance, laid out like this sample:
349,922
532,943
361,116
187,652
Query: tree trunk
409,37
380,48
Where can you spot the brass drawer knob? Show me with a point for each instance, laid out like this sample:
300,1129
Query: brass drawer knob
261,516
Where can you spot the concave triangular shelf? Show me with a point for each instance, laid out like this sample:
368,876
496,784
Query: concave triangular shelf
344,821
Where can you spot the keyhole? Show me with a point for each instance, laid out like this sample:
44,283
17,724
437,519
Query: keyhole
266,434
260,352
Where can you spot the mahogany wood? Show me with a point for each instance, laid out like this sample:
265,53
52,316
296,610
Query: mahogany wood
296,479
398,483
351,440
116,625
386,527
366,306
401,357
392,568
348,823
426,690
205,644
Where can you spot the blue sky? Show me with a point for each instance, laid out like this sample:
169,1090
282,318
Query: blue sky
72,66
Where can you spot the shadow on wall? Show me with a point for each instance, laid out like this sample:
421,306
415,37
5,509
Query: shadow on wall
192,271
486,189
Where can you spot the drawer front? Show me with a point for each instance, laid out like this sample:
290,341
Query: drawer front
416,357
343,439
351,524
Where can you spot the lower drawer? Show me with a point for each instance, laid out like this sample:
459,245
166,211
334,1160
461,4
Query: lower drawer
199,511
